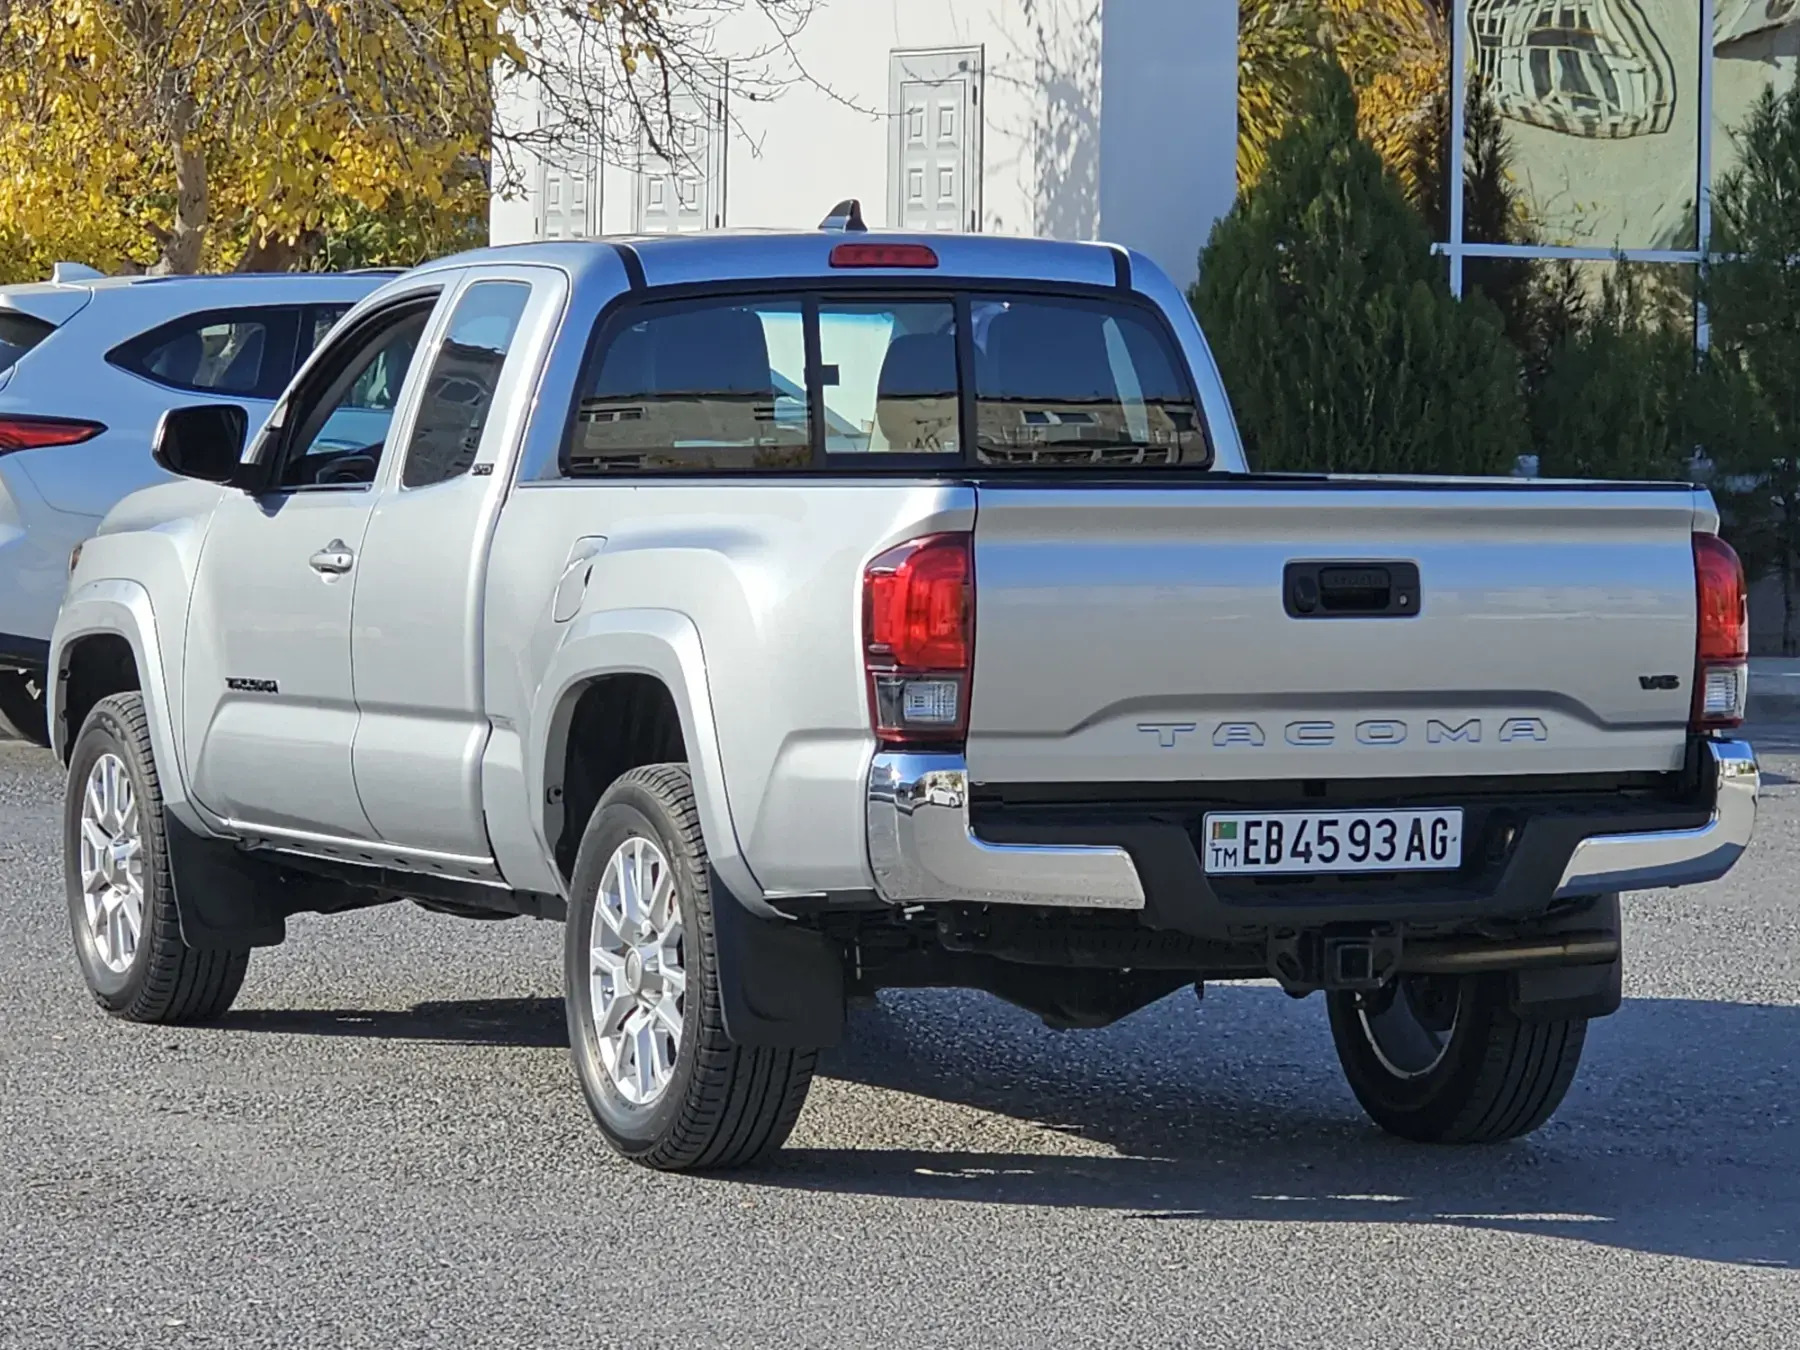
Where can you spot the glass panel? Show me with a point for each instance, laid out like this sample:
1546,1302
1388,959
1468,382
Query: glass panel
19,333
1756,45
453,409
346,430
224,355
1599,103
889,376
1079,383
705,385
324,318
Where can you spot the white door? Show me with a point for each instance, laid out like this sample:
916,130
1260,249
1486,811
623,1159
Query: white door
934,140
567,189
684,189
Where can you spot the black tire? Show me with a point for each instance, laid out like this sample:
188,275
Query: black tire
22,707
724,1105
1477,1074
166,980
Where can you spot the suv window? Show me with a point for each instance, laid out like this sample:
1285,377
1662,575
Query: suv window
1040,381
453,408
19,333
339,434
246,352
694,386
1070,382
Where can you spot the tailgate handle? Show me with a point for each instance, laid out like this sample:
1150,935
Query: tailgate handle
1351,589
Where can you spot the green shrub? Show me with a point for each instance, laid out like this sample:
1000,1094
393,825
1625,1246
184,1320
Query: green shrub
1612,398
1748,406
1334,327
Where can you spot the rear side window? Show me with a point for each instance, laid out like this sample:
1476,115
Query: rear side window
714,385
244,353
453,408
905,382
1073,383
19,333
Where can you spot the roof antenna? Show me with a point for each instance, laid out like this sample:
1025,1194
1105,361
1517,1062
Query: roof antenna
846,215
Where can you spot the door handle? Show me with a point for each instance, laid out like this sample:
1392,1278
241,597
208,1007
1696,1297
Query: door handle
334,559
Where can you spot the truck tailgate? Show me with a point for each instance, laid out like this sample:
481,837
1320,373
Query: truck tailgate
1155,634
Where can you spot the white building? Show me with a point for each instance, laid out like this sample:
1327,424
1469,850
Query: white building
1078,119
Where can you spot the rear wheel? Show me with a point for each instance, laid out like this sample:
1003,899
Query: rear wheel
120,888
667,1085
22,706
1443,1059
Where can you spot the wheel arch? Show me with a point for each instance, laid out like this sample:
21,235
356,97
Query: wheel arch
106,642
651,662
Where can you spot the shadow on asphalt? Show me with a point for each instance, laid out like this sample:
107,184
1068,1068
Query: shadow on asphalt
1681,1136
525,1022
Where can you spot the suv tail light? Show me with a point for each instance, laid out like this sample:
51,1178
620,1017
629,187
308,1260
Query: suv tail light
1722,638
919,639
37,433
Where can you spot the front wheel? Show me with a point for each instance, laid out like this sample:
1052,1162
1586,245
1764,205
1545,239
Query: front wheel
121,889
666,1084
1443,1059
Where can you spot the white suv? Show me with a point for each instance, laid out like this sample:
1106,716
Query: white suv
88,364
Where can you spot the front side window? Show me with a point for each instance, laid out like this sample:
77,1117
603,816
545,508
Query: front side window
339,435
697,386
244,353
459,391
1074,383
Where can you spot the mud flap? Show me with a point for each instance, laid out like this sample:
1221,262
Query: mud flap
1571,993
782,985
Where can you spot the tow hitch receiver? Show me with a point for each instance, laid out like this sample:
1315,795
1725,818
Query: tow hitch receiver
1307,961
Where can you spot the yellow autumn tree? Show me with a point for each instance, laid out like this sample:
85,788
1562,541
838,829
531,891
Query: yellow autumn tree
184,135
180,135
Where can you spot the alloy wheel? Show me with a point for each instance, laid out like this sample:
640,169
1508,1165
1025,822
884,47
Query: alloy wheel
112,864
636,980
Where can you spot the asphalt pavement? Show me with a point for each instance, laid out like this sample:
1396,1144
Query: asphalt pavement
384,1146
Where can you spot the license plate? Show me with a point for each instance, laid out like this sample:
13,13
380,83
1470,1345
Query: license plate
1271,842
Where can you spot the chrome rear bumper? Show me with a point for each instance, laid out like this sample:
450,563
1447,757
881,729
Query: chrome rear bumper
923,848
1662,858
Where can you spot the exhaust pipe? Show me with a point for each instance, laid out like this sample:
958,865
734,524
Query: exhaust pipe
1465,958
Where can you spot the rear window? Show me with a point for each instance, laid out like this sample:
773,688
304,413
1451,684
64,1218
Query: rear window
786,382
19,333
243,353
1067,383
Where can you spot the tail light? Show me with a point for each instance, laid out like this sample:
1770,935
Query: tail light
38,433
1722,640
919,640
883,255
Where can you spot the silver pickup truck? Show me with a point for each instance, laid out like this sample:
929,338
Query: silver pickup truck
800,615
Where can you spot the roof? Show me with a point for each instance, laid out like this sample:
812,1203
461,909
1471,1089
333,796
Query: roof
671,259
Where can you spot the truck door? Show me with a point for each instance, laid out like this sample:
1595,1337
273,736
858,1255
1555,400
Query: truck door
269,707
416,647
